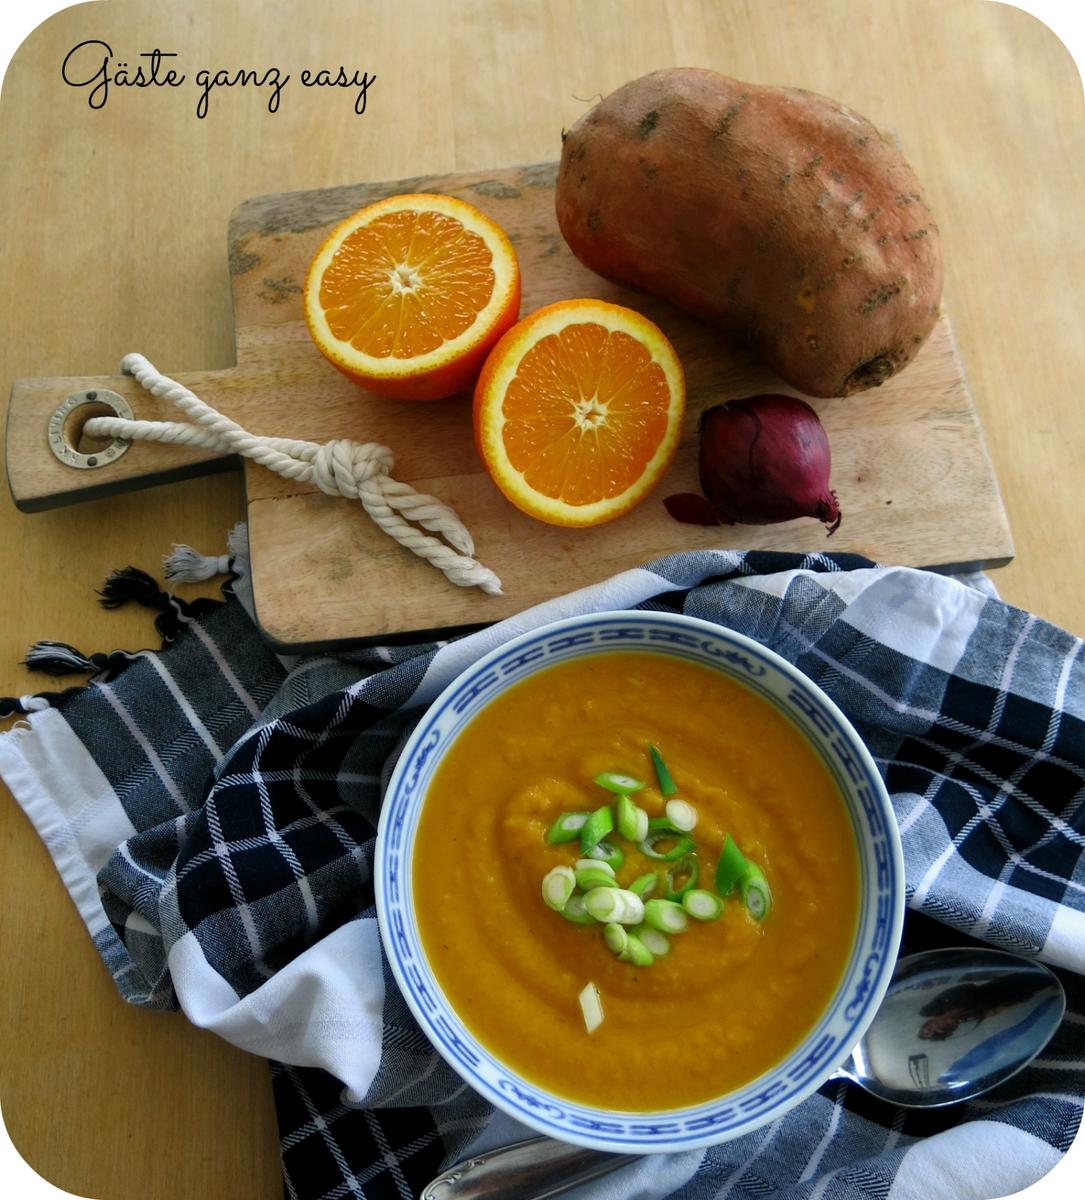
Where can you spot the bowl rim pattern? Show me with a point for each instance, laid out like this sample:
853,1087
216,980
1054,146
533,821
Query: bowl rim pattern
864,981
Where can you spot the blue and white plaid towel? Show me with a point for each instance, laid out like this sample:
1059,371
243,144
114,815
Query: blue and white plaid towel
212,809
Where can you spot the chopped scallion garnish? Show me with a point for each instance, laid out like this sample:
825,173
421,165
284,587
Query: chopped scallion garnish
755,892
666,784
590,874
680,845
626,822
645,885
557,886
701,904
636,952
731,868
682,816
607,853
615,781
591,1006
593,862
614,904
566,828
615,937
680,878
655,941
666,916
575,911
595,828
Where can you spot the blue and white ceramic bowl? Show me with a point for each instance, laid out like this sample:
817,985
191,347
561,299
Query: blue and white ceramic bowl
881,909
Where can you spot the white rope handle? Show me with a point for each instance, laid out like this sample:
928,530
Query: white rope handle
359,471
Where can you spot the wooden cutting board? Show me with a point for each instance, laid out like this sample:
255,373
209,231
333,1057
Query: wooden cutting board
910,466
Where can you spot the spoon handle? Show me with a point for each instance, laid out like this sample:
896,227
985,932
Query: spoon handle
535,1169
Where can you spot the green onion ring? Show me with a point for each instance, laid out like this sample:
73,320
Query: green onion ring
644,885
566,828
575,911
682,845
636,952
615,781
557,886
593,875
595,828
705,906
625,813
615,937
687,870
666,916
667,786
654,941
756,894
608,854
614,904
682,815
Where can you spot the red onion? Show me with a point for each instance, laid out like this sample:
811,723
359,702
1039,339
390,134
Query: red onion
763,460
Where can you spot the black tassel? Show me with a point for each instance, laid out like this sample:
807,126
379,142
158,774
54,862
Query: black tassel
133,584
58,658
15,706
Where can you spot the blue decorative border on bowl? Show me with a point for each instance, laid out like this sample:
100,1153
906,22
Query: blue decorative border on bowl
881,890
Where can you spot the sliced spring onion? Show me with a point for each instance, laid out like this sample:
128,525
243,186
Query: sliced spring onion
566,828
666,784
557,887
661,825
705,906
576,912
636,952
615,937
645,885
755,892
608,854
666,916
653,940
593,862
594,874
679,879
591,1006
626,820
731,867
614,904
640,831
595,828
615,781
681,845
681,815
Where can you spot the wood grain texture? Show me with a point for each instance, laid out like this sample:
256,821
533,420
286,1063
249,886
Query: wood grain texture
115,224
909,461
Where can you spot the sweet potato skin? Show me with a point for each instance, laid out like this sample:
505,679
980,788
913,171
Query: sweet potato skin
777,214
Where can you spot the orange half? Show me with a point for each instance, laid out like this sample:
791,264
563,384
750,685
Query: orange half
578,411
409,295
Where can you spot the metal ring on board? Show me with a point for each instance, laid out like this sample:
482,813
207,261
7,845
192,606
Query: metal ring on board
65,451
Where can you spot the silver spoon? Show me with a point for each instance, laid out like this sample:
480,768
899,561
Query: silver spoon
953,1024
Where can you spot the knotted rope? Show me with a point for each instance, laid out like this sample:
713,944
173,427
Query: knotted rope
359,471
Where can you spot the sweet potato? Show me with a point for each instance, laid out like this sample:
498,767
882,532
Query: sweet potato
777,214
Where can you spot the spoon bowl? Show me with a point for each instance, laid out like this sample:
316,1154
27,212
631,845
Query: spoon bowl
953,1024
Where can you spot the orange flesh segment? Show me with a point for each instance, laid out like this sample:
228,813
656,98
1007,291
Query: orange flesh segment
585,413
406,283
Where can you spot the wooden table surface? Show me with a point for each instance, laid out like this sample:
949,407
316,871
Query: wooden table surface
114,240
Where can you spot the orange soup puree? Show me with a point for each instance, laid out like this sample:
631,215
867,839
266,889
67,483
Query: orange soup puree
732,997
